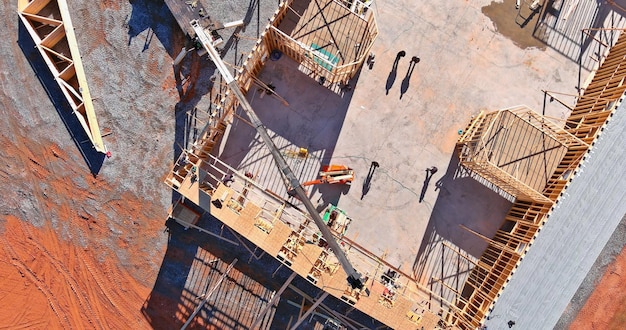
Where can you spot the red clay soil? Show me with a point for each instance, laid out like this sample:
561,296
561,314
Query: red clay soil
606,307
50,283
70,274
79,251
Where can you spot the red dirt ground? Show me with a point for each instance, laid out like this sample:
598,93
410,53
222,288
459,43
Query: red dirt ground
606,307
69,274
51,283
91,262
80,251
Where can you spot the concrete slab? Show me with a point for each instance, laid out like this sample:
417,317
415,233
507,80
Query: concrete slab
407,117
408,120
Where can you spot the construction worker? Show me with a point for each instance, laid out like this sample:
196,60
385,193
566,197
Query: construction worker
228,180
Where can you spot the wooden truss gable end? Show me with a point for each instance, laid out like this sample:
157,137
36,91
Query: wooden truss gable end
50,26
327,38
515,149
521,225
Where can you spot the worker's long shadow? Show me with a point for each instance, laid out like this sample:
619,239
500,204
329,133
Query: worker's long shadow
93,158
407,78
462,200
391,78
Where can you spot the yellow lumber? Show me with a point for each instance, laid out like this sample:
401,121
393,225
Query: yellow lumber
33,6
21,4
96,136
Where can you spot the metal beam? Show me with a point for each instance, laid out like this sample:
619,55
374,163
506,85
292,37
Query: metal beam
310,310
345,320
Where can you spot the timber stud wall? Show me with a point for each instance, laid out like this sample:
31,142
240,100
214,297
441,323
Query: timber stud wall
271,39
520,226
275,39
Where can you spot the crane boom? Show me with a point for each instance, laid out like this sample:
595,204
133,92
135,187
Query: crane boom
354,278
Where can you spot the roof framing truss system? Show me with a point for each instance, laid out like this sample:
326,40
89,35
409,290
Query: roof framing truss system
49,24
505,250
329,38
516,149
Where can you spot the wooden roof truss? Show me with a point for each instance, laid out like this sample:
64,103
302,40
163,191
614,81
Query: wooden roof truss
515,149
49,24
521,225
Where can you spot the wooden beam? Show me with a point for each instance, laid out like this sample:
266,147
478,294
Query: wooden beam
583,96
266,87
61,56
559,100
42,19
457,293
273,301
594,38
243,119
34,6
21,4
82,79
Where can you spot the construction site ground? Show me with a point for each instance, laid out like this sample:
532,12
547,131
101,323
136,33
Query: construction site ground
84,237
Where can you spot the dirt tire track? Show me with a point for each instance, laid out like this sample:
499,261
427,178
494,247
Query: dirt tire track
121,304
67,207
37,171
67,277
37,193
27,165
24,270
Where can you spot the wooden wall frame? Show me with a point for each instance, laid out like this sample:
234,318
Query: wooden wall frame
516,149
600,99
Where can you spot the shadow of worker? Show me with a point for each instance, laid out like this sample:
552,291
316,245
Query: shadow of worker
429,175
394,71
405,82
368,180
